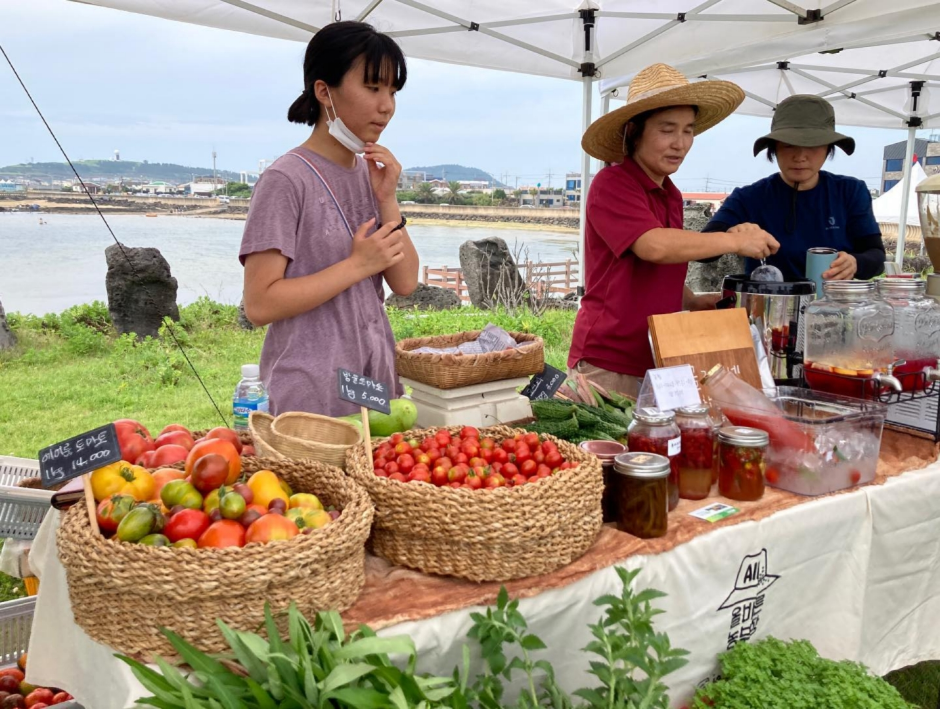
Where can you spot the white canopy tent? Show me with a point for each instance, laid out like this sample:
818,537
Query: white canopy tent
881,83
890,207
583,40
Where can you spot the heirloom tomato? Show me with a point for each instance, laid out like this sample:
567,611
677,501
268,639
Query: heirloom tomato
226,434
111,511
121,478
270,528
222,534
133,439
220,447
186,524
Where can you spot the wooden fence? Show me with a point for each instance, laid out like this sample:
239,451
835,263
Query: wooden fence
558,278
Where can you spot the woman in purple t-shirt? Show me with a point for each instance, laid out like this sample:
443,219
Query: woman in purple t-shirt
324,228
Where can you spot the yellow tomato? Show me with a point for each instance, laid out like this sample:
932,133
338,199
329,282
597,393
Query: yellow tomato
305,499
266,486
122,479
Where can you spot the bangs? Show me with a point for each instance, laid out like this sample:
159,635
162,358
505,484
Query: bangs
384,62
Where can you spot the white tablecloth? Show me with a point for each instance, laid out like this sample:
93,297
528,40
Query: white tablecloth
857,574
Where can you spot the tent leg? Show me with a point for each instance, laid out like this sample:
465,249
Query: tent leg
905,196
587,84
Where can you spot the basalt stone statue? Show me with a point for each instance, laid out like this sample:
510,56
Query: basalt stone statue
7,338
491,273
141,290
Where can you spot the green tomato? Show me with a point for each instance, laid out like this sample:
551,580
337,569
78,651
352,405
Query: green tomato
232,505
136,525
155,540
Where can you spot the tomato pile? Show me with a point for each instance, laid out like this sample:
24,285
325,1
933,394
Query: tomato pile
171,446
16,693
206,505
467,461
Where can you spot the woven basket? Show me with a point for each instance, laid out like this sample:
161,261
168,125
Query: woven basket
486,535
243,436
449,371
302,436
122,593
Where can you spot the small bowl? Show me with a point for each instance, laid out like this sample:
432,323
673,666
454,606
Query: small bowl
606,451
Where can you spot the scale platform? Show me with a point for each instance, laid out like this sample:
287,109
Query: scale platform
478,405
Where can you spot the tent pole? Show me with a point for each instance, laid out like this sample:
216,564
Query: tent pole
905,195
587,84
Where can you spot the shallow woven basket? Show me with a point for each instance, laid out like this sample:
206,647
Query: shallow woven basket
122,593
486,535
302,436
449,371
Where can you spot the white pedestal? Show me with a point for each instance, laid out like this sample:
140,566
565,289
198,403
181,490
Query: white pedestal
487,404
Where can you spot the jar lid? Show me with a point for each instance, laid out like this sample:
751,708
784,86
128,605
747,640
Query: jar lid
744,437
649,466
654,417
902,287
606,451
697,411
848,287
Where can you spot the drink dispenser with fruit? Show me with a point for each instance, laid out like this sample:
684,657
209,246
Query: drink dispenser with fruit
775,309
916,338
849,341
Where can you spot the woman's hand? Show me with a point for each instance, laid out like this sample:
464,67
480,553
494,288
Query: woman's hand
842,269
384,179
373,254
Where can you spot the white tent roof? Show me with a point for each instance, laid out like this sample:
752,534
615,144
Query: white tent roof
868,82
888,208
547,37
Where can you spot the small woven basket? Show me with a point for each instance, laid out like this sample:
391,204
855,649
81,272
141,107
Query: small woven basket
486,535
449,371
123,593
302,436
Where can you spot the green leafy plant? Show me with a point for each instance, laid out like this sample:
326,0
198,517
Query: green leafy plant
773,674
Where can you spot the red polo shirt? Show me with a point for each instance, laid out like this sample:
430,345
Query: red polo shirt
622,290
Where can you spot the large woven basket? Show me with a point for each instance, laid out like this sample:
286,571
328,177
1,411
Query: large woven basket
449,371
486,535
122,593
302,436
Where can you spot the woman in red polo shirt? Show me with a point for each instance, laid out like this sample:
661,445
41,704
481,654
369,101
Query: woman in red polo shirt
636,251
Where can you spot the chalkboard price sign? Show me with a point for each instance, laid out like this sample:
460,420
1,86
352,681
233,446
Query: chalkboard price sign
79,455
544,385
362,391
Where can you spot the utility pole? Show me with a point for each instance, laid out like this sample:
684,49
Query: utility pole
215,184
549,180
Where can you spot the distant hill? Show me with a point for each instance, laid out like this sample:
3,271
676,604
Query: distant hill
456,172
111,171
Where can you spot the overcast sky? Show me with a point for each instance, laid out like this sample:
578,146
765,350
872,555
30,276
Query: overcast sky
171,92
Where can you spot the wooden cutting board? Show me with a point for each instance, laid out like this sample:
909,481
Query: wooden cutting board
704,339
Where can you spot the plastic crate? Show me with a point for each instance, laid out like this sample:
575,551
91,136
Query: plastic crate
21,509
16,619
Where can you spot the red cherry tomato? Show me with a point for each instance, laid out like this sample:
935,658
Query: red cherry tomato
469,432
500,456
528,468
532,440
509,470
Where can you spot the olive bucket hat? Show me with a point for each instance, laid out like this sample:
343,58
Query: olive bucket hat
806,121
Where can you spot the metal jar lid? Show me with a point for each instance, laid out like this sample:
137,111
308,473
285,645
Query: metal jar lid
648,466
697,411
654,417
848,287
743,437
902,287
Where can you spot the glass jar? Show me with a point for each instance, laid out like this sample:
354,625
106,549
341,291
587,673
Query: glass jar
696,458
741,463
640,492
606,452
849,344
655,431
916,338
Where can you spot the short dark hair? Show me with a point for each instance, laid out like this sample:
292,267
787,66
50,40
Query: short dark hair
333,51
772,151
633,129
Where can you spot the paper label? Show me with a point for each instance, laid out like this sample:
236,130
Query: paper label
715,512
674,387
675,446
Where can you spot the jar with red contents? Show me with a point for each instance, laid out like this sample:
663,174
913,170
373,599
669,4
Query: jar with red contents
696,459
655,431
741,463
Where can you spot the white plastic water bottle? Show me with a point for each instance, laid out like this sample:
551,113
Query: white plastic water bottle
250,395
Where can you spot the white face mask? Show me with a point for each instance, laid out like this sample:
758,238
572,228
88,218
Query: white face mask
338,130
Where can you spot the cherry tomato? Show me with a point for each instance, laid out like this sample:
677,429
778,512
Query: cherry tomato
532,440
538,456
457,474
455,484
428,443
494,480
548,447
487,455
543,471
488,443
452,451
402,448
434,454
553,459
509,470
397,476
523,454
445,463
773,475
854,477
470,449
405,463
528,468
500,456
469,432
391,469
396,438
422,476
509,445
519,479
442,438
474,481
439,476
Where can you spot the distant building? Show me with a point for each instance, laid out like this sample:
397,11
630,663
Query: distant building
90,188
11,186
715,199
926,151
409,180
546,197
156,187
573,189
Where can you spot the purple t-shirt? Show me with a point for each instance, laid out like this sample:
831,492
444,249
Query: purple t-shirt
293,213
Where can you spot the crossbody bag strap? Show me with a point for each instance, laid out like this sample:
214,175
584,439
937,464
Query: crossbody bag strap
326,185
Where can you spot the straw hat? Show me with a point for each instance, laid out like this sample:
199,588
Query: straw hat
660,86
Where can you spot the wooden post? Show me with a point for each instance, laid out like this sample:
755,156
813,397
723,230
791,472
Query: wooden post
365,431
457,284
425,275
568,274
90,503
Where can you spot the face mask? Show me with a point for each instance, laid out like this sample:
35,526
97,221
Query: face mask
338,130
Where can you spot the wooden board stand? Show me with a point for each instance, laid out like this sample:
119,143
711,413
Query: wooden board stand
704,339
